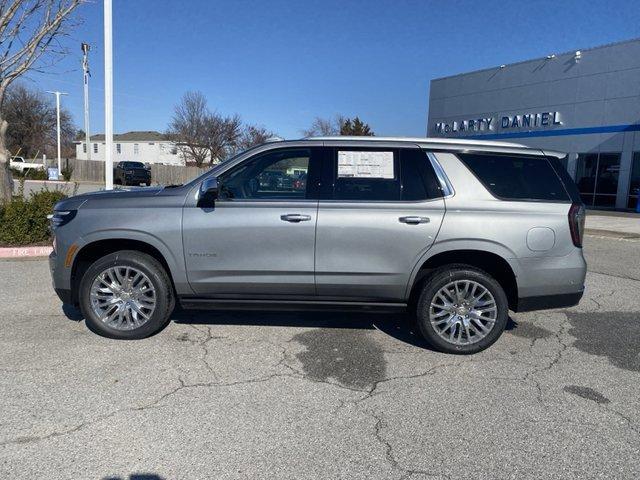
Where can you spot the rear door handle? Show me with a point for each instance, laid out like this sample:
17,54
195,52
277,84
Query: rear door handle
414,220
295,218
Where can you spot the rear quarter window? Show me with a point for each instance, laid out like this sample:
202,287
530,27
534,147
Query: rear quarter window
512,177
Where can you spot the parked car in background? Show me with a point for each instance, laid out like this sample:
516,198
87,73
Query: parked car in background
20,164
131,173
274,180
458,232
300,183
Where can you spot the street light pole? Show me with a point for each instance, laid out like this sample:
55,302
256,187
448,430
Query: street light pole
85,69
108,95
57,94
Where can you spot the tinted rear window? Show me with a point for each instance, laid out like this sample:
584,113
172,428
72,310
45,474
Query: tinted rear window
517,177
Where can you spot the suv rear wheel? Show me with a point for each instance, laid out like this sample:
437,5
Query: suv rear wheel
462,310
126,295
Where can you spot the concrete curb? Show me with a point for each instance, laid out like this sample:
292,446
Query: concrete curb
25,252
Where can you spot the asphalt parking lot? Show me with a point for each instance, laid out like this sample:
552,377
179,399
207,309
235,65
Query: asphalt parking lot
322,395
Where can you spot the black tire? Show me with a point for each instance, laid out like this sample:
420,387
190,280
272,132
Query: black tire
153,269
437,280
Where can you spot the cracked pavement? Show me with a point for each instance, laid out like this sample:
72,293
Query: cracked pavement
322,395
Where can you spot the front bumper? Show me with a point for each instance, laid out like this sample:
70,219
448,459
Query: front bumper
138,179
57,279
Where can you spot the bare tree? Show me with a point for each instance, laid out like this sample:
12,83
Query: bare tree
189,125
205,136
325,127
253,135
29,29
223,134
31,117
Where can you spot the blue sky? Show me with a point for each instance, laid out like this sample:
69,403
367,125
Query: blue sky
281,63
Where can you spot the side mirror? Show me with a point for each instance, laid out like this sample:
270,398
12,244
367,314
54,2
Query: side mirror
208,193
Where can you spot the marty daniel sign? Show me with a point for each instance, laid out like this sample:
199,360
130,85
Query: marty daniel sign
505,122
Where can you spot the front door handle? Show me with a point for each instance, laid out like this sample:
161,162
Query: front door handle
295,218
414,220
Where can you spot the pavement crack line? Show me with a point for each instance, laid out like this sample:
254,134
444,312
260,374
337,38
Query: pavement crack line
623,277
372,391
389,455
529,376
154,404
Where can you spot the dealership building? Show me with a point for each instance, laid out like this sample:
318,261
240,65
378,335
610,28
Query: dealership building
585,102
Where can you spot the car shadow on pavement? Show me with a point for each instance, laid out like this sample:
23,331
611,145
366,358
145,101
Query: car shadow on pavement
397,325
72,312
400,325
137,476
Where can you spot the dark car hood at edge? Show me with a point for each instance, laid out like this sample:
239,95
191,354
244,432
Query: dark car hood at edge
75,202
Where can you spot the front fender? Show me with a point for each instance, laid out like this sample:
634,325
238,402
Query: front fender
172,253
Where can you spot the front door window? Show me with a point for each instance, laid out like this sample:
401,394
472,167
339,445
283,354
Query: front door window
277,175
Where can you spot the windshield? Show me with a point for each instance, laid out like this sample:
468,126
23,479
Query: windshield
132,165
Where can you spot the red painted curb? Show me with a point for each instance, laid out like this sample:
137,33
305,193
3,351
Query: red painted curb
21,252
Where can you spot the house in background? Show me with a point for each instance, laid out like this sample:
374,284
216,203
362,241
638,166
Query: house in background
145,147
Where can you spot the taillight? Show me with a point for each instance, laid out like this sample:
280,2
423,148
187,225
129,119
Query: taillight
576,223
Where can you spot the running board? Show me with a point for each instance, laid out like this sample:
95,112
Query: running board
192,303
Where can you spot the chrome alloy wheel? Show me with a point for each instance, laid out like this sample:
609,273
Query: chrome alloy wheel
463,312
123,297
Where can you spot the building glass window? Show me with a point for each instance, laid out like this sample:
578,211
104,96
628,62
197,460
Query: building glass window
84,148
95,148
118,147
136,149
634,182
597,178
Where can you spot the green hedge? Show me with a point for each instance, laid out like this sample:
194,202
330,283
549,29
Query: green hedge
24,221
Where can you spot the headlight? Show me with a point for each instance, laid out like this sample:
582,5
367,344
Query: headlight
60,218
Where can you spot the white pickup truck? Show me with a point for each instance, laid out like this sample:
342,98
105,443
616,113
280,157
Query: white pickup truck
19,164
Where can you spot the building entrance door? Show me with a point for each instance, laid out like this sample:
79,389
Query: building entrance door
597,178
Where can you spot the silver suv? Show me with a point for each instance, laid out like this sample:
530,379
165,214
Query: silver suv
460,232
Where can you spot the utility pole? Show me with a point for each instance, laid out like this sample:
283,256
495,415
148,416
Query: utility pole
85,69
57,94
108,95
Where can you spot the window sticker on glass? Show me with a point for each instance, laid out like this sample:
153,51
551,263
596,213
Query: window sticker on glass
365,164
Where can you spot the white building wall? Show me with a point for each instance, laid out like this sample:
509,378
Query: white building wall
146,152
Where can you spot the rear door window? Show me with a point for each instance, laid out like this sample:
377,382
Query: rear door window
515,177
378,174
419,181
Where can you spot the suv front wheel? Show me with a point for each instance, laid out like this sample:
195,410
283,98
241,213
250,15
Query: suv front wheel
126,295
462,310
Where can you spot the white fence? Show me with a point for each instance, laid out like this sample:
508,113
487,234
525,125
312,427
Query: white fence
93,171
